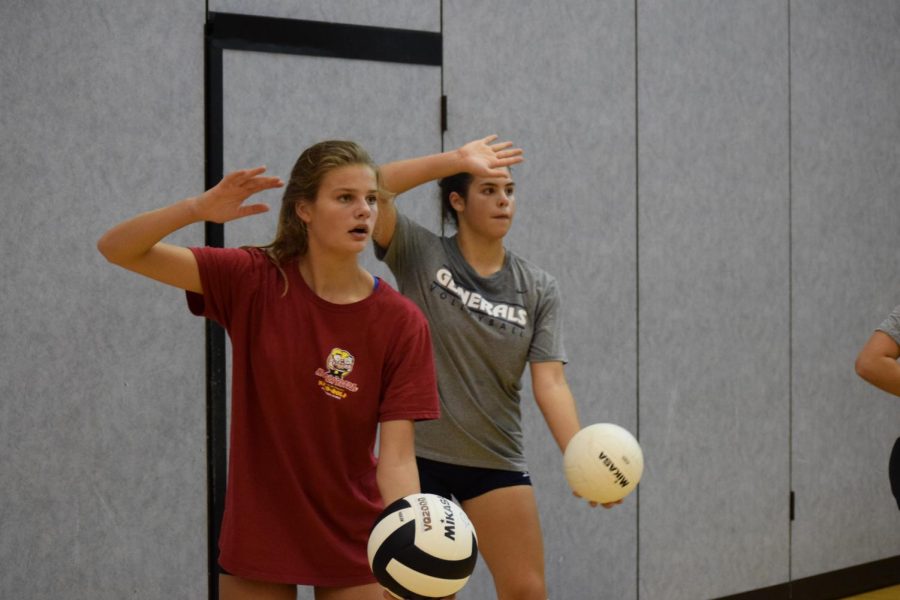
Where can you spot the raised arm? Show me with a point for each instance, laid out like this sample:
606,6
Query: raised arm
877,363
482,157
136,243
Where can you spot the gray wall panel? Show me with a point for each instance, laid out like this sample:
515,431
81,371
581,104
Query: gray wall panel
558,79
714,296
101,398
846,80
680,277
403,14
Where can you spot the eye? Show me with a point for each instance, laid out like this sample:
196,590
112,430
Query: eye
372,199
487,191
345,198
510,191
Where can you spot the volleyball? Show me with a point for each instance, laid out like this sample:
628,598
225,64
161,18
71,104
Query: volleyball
421,547
603,463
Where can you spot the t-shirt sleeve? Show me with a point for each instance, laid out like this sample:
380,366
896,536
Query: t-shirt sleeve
409,241
399,243
891,325
222,271
410,384
547,341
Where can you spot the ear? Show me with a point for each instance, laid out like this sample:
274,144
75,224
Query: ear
457,202
302,211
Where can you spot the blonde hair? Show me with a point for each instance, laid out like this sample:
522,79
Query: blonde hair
291,237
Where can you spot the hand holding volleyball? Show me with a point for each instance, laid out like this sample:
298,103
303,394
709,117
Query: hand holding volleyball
422,547
603,463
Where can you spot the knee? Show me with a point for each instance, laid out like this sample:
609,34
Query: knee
525,585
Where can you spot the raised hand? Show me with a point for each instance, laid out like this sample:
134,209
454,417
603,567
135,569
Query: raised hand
225,201
486,159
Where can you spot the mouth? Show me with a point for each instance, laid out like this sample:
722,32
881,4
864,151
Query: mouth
360,231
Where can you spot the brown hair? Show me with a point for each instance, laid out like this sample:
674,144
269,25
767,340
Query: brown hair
291,238
458,183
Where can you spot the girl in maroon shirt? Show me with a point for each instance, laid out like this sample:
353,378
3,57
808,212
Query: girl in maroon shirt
323,353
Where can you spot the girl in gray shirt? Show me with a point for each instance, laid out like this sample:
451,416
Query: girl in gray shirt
491,312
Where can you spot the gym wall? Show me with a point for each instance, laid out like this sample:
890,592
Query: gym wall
102,385
713,183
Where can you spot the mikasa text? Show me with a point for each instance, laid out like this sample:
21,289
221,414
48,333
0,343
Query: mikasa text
617,473
448,521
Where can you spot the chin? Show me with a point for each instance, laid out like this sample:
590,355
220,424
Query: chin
352,249
358,247
501,229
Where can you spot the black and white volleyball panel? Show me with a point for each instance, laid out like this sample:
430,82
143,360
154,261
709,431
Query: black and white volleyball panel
423,546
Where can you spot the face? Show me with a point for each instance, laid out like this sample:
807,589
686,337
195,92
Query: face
342,217
489,206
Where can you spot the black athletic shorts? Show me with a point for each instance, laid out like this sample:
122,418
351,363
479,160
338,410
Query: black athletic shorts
465,483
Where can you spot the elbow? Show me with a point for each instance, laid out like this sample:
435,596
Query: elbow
864,368
110,251
105,248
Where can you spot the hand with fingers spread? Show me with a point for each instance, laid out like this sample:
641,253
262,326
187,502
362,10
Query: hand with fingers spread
225,201
486,159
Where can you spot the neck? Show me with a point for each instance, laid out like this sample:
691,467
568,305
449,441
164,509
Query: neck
484,255
336,280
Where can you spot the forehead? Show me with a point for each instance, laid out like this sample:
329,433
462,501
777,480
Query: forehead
498,181
355,177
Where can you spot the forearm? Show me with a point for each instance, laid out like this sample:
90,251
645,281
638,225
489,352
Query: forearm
555,400
877,362
403,175
396,474
397,479
882,371
135,237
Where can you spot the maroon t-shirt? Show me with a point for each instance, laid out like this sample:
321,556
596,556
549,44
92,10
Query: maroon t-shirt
311,381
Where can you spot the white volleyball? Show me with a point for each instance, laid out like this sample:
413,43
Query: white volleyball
603,463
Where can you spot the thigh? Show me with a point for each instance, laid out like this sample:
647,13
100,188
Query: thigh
371,591
238,588
509,539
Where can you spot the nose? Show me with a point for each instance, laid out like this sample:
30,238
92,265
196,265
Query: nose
503,199
363,208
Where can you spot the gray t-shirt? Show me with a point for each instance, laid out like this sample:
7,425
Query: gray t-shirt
484,331
891,325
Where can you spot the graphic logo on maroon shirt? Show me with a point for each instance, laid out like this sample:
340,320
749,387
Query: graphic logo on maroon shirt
332,379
